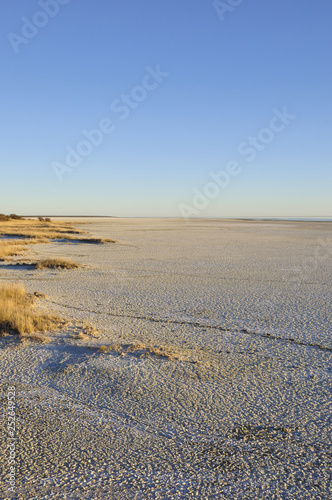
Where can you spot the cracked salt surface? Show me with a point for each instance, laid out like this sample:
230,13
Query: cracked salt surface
245,410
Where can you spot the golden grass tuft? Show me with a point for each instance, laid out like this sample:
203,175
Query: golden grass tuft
58,263
82,336
103,348
17,315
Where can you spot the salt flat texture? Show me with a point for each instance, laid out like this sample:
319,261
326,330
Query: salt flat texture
245,409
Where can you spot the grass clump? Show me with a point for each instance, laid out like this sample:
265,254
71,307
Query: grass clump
104,348
17,314
58,263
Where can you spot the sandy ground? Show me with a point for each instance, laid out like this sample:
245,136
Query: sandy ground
243,410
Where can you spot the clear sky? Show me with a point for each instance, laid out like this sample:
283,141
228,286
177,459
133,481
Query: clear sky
198,107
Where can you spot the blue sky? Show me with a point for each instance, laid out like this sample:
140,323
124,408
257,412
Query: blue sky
222,82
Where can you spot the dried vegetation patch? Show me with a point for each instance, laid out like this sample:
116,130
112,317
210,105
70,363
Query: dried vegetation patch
85,331
14,247
47,230
58,263
16,233
140,350
17,314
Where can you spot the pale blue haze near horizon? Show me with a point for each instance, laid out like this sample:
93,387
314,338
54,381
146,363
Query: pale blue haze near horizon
225,78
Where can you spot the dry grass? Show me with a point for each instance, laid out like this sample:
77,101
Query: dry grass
89,330
17,314
27,231
35,337
12,248
48,230
58,263
81,336
85,331
28,228
104,348
140,350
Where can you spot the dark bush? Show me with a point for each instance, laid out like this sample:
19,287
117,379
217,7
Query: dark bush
16,217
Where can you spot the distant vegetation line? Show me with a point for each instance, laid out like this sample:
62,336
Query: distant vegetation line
76,216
